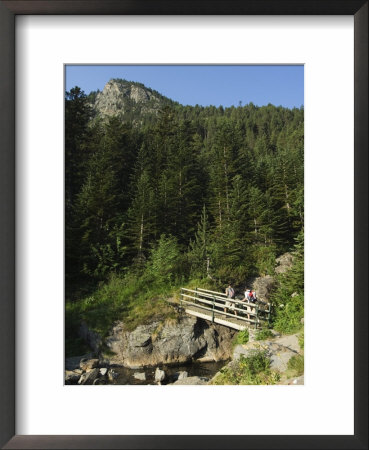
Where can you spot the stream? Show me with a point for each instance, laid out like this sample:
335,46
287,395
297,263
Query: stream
199,369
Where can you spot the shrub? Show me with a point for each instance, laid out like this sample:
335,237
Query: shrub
253,370
242,337
288,318
296,365
263,334
301,340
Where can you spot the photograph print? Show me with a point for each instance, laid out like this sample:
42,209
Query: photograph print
184,224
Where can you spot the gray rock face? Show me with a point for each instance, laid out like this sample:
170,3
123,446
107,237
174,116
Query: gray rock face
192,381
159,375
152,345
290,341
92,338
118,96
88,364
71,377
140,376
279,350
284,263
72,363
182,375
263,287
89,377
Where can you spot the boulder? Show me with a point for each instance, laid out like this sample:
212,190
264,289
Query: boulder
72,363
88,364
295,381
89,377
159,375
103,371
140,376
263,287
192,381
71,377
99,381
284,263
177,342
182,375
279,350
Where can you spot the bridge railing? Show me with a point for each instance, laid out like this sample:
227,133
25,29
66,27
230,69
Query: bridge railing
214,303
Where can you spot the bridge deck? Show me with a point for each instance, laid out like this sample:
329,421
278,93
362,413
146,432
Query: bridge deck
219,317
210,305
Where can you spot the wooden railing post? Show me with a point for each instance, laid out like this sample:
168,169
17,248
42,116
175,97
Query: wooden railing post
269,313
213,312
257,315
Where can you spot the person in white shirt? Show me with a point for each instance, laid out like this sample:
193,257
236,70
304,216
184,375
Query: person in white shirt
230,294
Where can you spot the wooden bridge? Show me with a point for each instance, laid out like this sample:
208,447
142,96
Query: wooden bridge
210,305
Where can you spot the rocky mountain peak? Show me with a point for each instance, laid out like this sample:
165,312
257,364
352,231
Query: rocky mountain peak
120,97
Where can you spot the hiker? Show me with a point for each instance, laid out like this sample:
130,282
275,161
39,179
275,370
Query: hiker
230,294
252,296
247,292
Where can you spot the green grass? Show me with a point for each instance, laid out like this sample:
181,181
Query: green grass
130,298
121,298
252,370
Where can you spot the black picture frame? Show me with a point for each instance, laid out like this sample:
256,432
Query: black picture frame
8,11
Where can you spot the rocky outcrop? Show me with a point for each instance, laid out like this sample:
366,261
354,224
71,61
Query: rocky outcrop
140,376
191,381
284,263
120,96
182,375
71,377
89,377
92,338
85,370
88,364
279,350
169,343
159,375
263,287
73,362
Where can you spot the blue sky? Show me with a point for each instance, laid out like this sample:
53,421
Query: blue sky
203,85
